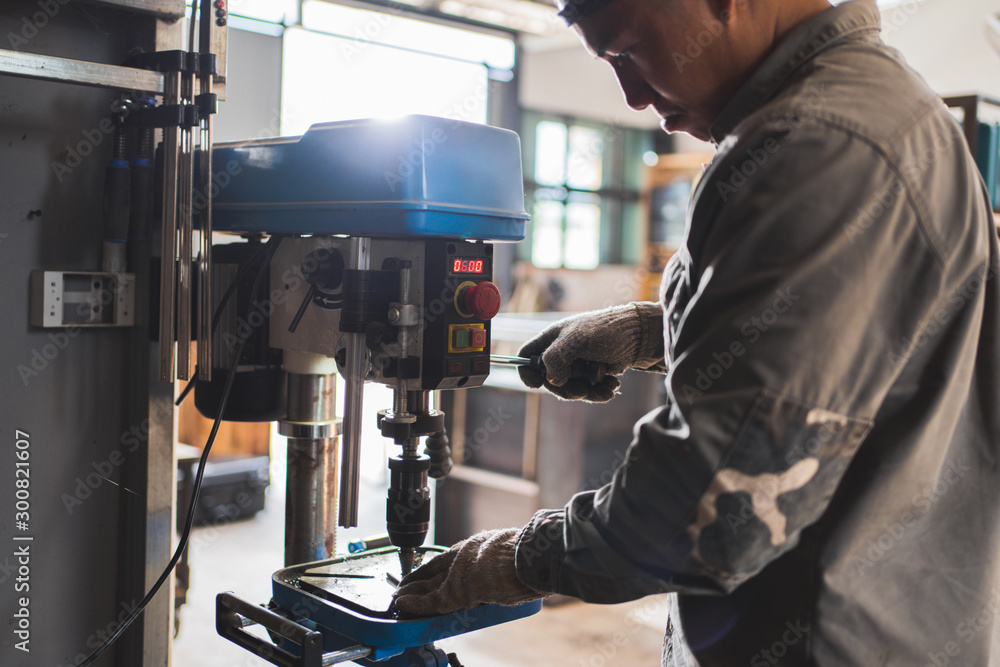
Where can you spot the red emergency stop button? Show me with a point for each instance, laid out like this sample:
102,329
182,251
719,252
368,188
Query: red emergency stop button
480,300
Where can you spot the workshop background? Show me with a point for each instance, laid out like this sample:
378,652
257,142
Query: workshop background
112,460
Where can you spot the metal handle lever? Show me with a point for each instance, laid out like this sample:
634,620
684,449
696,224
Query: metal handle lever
228,622
592,371
230,615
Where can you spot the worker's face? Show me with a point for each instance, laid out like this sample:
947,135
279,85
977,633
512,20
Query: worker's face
681,57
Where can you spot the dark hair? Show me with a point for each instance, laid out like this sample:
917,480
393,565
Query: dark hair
574,10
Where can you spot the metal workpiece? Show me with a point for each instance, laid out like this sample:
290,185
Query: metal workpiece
67,70
168,247
310,519
356,369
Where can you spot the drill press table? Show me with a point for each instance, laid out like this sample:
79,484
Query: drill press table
339,609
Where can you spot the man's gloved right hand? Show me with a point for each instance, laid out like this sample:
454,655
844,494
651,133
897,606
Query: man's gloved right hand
479,570
620,337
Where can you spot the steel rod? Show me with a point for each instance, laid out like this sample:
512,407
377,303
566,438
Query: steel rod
345,655
186,236
357,367
205,254
168,242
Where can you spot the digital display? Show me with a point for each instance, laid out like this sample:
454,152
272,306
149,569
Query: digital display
468,265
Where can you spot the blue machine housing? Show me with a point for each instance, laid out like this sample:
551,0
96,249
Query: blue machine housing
417,176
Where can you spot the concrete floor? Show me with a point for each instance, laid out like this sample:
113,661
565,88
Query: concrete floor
240,557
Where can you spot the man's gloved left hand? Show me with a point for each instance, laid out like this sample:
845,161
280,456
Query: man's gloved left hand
479,570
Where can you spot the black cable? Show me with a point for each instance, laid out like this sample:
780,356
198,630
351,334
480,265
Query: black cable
217,316
271,246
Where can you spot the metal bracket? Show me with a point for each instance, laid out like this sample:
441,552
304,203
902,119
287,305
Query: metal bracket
81,299
230,612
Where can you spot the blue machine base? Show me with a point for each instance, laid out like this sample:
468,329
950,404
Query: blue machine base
347,599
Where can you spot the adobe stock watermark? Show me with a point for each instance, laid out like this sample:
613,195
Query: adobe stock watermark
621,462
101,472
413,155
921,503
480,436
966,630
414,158
696,44
101,635
933,325
31,25
581,161
225,514
262,309
795,631
629,286
756,158
654,609
42,357
92,138
899,16
364,36
911,169
752,330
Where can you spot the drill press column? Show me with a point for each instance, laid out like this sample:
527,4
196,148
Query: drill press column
311,491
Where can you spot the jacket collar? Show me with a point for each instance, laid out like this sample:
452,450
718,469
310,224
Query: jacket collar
802,44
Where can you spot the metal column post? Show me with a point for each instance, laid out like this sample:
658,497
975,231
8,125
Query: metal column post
311,493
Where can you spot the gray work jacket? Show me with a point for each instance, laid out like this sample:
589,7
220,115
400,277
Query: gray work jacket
822,486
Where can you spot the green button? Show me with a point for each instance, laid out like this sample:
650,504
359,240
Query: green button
461,338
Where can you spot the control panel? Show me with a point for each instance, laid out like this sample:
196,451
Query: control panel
457,341
315,299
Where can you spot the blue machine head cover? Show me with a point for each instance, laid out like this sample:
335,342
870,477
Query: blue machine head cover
417,176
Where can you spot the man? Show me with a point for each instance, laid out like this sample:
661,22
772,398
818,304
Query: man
822,486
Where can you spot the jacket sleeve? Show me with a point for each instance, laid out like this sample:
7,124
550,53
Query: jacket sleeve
810,278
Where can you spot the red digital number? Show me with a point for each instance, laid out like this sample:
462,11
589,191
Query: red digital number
460,265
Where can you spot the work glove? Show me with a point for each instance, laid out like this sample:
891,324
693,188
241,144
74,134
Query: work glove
620,337
479,570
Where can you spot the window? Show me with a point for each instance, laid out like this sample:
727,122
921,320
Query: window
346,63
582,181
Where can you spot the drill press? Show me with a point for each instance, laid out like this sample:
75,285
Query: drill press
383,274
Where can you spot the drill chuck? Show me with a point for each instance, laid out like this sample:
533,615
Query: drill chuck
408,507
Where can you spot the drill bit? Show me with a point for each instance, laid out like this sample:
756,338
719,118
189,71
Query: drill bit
406,558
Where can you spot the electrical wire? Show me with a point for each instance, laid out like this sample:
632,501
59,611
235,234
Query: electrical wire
272,246
217,316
